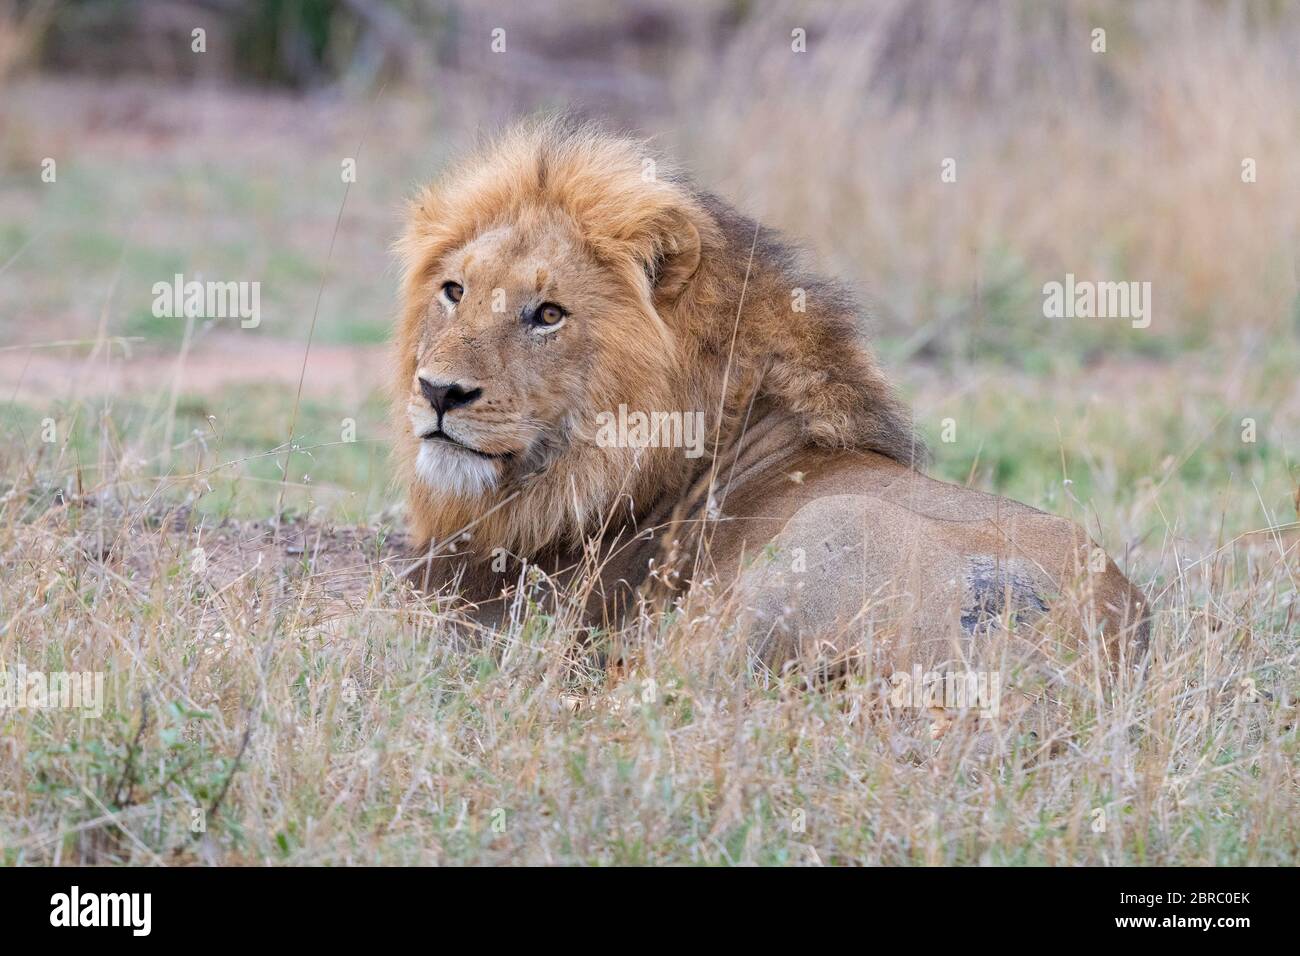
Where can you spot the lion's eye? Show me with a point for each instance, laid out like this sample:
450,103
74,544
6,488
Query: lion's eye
547,315
454,291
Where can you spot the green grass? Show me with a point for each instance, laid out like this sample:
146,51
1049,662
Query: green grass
381,734
317,713
125,227
228,454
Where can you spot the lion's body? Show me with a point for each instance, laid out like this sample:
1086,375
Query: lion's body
805,494
834,547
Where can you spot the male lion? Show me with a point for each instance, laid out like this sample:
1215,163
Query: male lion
561,278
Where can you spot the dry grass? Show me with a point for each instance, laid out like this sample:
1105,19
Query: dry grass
1123,163
318,713
378,735
354,722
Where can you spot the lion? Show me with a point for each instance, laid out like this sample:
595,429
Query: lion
563,278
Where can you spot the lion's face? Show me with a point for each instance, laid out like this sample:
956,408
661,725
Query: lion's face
525,337
564,300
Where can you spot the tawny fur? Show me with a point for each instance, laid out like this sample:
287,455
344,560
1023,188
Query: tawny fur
705,319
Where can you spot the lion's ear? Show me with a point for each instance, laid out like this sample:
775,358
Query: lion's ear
676,257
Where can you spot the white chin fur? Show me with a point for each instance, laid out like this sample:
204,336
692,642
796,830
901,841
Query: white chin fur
453,470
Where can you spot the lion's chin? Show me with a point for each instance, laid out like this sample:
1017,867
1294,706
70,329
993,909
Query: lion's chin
456,471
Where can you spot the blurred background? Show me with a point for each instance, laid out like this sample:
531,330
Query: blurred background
146,461
1123,161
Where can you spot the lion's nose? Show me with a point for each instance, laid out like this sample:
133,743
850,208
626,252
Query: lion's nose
444,398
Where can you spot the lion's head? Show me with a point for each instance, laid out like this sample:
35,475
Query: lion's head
562,274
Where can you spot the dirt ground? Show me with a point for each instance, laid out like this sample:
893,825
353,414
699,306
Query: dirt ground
39,375
324,564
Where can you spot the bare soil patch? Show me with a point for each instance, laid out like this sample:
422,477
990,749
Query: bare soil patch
39,375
